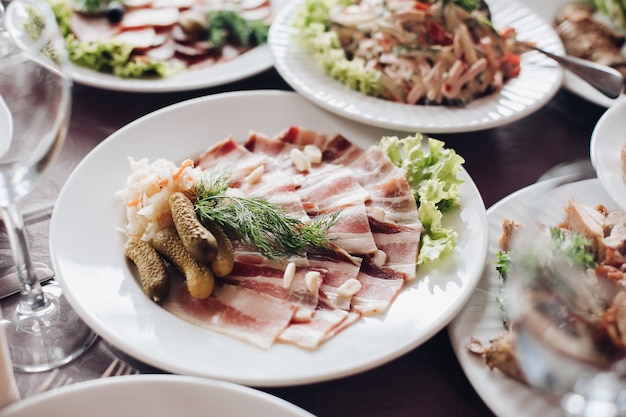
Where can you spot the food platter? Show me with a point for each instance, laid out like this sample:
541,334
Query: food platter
246,65
539,80
482,318
547,10
607,141
87,253
153,396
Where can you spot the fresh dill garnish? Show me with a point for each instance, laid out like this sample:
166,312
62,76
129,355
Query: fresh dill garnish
575,246
257,221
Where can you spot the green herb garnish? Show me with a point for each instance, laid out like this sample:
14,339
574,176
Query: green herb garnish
575,246
503,262
257,221
228,25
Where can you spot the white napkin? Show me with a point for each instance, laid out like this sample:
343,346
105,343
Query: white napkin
8,388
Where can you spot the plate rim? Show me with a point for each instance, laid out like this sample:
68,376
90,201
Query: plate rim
107,333
605,158
133,382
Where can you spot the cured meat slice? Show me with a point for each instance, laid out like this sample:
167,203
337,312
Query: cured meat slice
325,190
269,280
391,204
341,267
336,190
155,18
324,324
89,29
240,313
379,287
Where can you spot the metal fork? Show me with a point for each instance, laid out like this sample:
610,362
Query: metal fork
119,367
56,379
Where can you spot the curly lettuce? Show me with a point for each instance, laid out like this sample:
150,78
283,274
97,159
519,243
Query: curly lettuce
314,35
432,174
106,56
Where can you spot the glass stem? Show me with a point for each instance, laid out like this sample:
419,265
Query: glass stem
32,296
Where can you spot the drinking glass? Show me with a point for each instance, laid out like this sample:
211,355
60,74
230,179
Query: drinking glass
567,319
43,332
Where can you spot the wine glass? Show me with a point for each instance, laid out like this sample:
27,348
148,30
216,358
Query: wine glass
567,315
43,332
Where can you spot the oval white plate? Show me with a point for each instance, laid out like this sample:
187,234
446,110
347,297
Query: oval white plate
481,318
539,80
547,10
243,66
87,252
607,141
153,396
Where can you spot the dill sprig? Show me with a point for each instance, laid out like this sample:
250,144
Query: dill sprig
257,221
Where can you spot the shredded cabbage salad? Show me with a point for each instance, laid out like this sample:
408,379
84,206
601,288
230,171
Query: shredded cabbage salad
432,174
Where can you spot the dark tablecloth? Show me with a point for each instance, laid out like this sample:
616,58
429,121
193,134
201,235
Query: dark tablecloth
427,381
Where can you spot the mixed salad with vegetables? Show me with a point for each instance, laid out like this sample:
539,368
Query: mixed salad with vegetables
440,52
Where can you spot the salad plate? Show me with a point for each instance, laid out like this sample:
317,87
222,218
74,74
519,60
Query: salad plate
243,66
481,318
538,82
102,285
153,396
607,141
548,10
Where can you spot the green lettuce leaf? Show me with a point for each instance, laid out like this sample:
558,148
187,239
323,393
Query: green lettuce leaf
432,173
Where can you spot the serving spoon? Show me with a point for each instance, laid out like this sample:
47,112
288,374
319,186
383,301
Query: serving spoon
603,78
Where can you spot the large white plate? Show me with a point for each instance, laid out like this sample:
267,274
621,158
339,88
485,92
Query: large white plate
607,141
548,11
539,80
246,65
153,396
481,318
87,253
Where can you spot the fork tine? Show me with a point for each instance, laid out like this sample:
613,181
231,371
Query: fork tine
55,380
119,367
110,369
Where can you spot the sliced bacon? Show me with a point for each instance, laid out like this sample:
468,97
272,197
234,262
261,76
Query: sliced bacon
374,241
398,234
240,313
312,334
341,266
269,280
336,190
379,287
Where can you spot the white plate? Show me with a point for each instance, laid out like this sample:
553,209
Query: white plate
153,396
539,80
246,65
88,255
548,11
481,317
607,141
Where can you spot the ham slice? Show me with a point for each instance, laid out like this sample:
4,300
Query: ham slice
155,18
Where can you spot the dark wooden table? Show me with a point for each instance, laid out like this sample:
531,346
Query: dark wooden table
427,381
